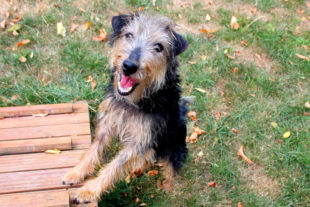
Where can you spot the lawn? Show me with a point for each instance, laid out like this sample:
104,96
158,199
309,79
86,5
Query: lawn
250,83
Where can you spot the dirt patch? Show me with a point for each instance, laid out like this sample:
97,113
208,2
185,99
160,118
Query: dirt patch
253,55
258,181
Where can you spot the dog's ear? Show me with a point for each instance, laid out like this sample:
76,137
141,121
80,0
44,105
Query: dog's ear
180,44
118,22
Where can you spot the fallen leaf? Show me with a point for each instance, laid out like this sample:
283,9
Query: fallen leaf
57,6
152,172
236,131
14,97
141,8
17,19
306,113
187,139
82,10
143,204
253,10
192,115
193,137
102,36
53,151
208,18
93,84
8,14
87,26
159,184
274,124
127,179
39,115
242,155
192,62
217,116
244,42
212,184
200,154
302,57
198,130
238,53
203,57
89,79
300,11
235,70
208,31
15,27
61,30
287,134
15,33
196,160
23,42
201,90
1,117
234,23
3,24
125,194
22,59
240,204
307,105
138,200
73,27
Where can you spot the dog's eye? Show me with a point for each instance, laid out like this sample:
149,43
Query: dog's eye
158,47
129,35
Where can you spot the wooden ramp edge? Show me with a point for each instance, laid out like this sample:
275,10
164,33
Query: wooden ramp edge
28,175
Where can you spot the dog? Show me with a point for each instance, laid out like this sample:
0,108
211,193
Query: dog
143,107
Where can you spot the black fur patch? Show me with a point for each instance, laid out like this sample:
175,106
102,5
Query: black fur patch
179,44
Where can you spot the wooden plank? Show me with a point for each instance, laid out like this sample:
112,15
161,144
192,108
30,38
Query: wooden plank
72,193
36,109
27,121
34,145
44,131
80,107
81,142
53,198
39,161
32,180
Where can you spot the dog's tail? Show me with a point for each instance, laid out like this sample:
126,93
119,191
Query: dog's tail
185,101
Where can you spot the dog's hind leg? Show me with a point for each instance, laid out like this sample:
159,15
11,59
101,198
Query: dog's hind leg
125,162
168,174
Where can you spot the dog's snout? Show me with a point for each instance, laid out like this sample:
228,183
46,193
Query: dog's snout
129,67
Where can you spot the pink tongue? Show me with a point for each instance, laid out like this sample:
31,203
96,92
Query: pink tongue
127,82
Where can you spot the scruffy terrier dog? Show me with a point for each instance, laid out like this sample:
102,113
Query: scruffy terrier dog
142,108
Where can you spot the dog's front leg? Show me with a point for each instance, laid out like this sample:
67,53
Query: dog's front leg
91,157
127,160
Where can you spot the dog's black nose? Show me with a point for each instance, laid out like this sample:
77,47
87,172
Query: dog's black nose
129,67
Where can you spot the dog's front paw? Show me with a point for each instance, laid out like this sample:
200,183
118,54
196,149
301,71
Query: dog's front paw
73,176
86,194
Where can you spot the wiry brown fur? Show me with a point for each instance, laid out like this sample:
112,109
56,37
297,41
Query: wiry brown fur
120,116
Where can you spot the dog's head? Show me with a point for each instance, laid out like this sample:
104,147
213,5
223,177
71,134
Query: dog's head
143,48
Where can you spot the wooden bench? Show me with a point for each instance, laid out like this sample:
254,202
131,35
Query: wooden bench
28,175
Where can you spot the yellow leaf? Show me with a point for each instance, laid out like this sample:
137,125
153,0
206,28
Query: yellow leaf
234,24
22,59
274,124
87,26
61,30
200,90
200,154
127,179
208,18
287,134
23,42
53,151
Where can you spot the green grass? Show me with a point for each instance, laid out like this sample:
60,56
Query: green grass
251,98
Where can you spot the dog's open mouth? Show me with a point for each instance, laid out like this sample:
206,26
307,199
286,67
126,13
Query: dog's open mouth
126,85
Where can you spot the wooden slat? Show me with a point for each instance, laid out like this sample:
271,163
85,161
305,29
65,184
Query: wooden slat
72,193
80,107
39,161
27,121
36,109
53,198
34,145
81,142
44,131
32,180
